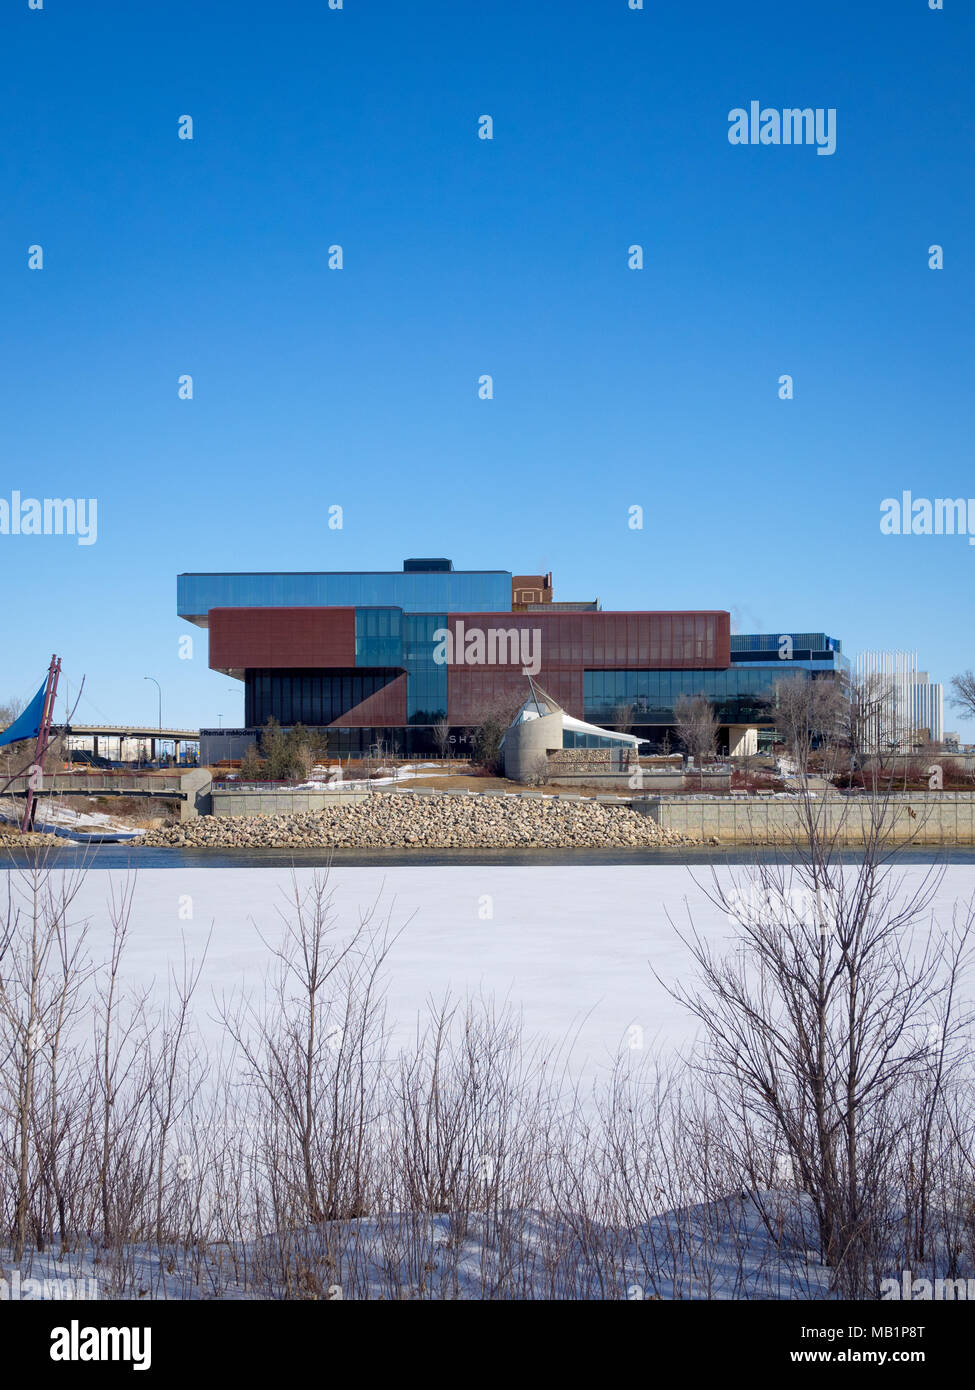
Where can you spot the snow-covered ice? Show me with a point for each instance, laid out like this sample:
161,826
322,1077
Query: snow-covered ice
571,947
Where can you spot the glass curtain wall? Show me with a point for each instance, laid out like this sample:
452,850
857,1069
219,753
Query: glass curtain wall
648,697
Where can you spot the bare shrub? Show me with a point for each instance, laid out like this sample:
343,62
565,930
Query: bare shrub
827,1109
834,1020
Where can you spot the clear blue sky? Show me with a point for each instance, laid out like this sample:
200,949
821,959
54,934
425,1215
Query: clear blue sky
358,387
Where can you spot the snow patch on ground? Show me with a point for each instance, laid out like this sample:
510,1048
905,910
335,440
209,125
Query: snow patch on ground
55,816
722,1251
325,777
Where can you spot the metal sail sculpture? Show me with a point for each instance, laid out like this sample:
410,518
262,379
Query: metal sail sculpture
35,722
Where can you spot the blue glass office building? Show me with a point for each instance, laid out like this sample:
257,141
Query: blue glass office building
361,654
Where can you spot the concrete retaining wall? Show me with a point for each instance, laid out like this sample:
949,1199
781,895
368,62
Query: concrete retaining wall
279,802
934,818
195,786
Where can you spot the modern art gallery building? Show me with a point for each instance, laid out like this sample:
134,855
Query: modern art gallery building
381,657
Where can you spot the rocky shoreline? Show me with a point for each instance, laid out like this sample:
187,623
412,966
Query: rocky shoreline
430,822
11,838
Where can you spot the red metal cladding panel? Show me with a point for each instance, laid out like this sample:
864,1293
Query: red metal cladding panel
473,691
297,638
491,651
387,708
634,641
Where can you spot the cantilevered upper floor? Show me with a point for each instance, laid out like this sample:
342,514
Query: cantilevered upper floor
437,589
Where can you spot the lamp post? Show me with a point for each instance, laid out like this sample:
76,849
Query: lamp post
159,688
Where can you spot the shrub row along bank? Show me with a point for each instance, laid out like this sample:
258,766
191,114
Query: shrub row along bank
432,823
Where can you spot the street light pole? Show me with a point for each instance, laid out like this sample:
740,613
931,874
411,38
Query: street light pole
159,688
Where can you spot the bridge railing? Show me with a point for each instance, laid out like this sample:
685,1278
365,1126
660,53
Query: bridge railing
91,784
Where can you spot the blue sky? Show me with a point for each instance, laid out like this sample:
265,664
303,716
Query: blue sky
357,387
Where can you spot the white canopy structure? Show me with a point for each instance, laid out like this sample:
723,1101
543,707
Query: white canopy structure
579,726
541,726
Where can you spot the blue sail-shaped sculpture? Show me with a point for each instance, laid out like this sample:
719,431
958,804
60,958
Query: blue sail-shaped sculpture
27,724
